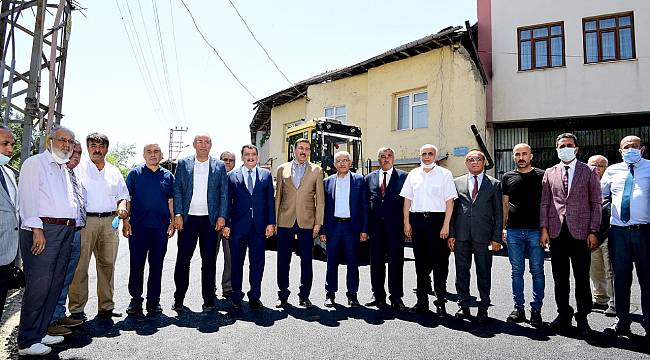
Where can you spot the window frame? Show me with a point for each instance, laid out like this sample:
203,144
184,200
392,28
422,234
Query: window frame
334,116
616,29
548,40
411,105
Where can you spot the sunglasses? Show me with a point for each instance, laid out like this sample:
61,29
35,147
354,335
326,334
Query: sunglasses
430,153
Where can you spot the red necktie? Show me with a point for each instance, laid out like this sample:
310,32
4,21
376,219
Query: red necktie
382,188
475,189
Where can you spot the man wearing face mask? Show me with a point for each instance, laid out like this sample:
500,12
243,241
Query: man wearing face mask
569,218
628,183
9,210
48,210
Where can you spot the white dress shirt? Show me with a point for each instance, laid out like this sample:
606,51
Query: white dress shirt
104,188
470,181
388,172
613,183
430,191
199,202
45,190
572,170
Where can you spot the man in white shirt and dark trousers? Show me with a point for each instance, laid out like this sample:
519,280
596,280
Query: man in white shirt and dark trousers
48,211
107,196
429,193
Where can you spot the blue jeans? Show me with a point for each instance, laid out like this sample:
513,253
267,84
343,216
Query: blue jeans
59,310
522,244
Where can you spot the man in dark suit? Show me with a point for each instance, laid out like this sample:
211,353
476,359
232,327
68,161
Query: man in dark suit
200,209
475,225
569,219
386,220
252,220
346,223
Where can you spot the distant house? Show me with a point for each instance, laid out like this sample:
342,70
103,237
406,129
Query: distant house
427,91
581,66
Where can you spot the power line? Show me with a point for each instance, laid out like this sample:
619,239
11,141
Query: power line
178,71
215,51
163,61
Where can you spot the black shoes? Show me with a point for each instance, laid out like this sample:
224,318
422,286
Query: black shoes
584,328
208,308
597,306
536,318
135,307
463,313
178,306
441,310
152,309
482,316
563,321
380,304
227,294
255,304
517,315
354,303
618,329
305,303
281,303
107,314
421,307
398,305
610,312
329,301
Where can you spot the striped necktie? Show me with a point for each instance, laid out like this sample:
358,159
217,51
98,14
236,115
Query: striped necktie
79,195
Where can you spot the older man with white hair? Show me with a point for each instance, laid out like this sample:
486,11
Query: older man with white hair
429,193
48,210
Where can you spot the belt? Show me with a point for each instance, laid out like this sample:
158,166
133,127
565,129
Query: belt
339,219
426,214
59,221
101,214
635,227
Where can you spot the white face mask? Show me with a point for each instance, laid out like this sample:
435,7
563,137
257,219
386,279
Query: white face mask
566,154
430,166
4,159
60,157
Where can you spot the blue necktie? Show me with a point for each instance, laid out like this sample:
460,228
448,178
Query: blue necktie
627,194
249,182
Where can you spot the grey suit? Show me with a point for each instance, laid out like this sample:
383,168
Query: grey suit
8,231
474,224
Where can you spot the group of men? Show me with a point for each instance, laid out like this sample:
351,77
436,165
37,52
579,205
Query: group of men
67,209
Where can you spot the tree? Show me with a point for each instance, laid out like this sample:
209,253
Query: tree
17,129
120,155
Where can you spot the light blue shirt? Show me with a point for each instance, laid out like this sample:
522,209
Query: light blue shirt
244,172
297,172
342,196
613,183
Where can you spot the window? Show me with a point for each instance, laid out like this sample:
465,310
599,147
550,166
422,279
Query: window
337,113
608,37
412,110
541,46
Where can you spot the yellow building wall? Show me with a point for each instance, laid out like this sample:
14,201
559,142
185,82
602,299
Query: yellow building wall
456,99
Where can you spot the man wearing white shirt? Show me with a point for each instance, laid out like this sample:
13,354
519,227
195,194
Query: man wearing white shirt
429,193
48,211
9,211
107,194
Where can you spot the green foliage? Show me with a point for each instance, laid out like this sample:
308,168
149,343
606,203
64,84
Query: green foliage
119,155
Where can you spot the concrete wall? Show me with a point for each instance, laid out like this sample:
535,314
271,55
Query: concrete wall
576,89
280,117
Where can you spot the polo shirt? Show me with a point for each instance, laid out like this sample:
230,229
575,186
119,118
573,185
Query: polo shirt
150,192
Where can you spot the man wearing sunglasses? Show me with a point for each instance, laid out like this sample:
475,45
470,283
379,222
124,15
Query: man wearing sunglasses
429,195
228,158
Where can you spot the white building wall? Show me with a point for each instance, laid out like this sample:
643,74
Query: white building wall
576,89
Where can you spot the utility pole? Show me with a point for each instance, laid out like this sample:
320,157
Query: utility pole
49,39
175,143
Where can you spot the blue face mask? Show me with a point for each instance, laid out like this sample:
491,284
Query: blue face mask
631,155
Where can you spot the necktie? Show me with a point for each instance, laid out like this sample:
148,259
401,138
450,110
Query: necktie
382,188
79,195
627,195
475,189
3,181
565,181
249,181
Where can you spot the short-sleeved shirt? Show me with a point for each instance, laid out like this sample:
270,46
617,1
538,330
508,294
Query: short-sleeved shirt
429,191
524,192
150,192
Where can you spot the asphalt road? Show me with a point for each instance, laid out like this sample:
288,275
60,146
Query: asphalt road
321,333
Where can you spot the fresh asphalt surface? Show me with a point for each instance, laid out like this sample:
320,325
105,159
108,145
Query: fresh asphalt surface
321,333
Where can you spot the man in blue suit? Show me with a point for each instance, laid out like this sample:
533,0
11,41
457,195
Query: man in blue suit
346,222
252,220
386,220
200,212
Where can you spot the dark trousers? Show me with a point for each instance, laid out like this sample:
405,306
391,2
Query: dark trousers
5,273
255,242
567,251
196,228
387,243
483,260
431,253
44,276
147,245
286,238
630,247
342,243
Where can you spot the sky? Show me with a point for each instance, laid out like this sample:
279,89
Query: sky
134,75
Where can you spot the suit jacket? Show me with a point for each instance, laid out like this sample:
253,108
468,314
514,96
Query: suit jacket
304,204
8,219
582,208
217,188
389,209
480,221
358,204
250,211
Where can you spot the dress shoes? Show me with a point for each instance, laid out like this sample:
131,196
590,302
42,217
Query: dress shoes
536,318
227,294
178,306
618,329
281,303
208,308
37,349
597,306
398,305
70,322
154,309
420,307
135,307
376,303
52,340
482,316
329,302
463,313
107,314
354,303
561,322
255,304
441,309
305,303
54,329
236,304
79,316
584,328
610,312
517,315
